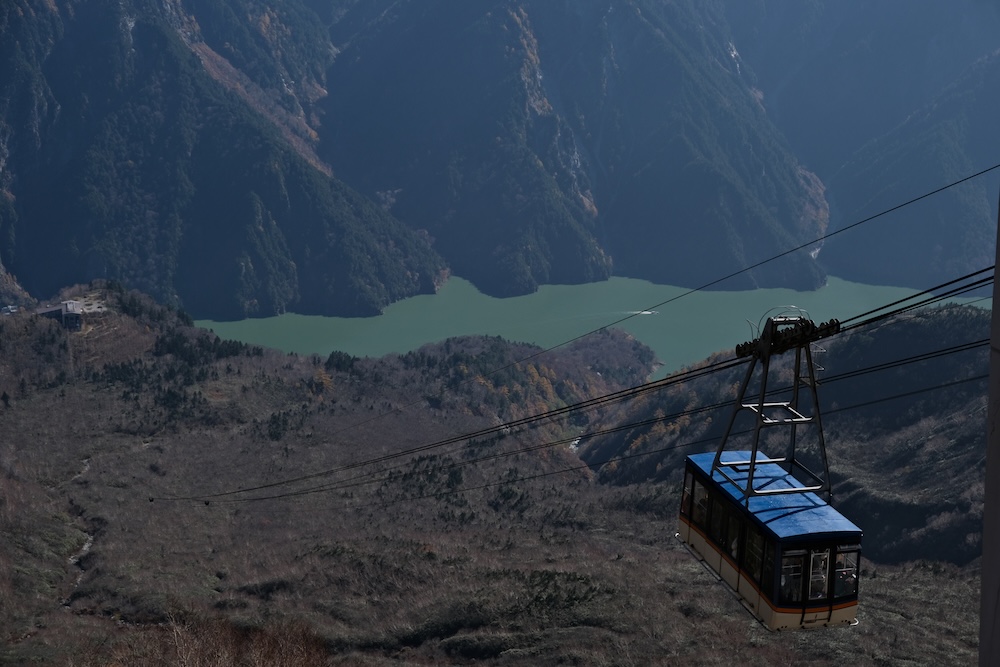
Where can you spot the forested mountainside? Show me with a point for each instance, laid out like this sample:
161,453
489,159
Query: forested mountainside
836,74
168,497
568,136
886,101
948,138
241,158
124,158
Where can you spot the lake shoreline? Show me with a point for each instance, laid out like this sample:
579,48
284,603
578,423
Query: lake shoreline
681,325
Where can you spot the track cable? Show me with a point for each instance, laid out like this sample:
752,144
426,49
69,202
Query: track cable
366,479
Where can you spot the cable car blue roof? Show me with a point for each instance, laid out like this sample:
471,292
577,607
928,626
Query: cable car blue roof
787,515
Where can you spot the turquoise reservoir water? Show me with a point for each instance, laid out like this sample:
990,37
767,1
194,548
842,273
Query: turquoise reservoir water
681,327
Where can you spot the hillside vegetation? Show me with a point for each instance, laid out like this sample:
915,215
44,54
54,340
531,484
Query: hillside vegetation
171,498
125,159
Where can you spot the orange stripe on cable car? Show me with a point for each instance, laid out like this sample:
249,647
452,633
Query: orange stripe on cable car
753,584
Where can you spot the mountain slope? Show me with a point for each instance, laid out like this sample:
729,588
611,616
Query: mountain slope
946,236
243,158
539,141
886,101
333,505
836,74
125,160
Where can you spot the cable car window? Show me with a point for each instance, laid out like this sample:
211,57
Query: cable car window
846,573
717,521
819,571
753,553
699,512
767,573
686,498
733,535
791,577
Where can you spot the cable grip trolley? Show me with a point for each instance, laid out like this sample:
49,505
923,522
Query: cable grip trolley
797,409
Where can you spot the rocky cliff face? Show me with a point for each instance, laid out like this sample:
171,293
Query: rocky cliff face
542,142
239,158
135,150
886,102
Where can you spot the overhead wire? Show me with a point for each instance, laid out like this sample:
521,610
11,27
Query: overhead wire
624,457
588,404
597,463
623,394
964,347
551,414
936,295
682,295
801,246
367,479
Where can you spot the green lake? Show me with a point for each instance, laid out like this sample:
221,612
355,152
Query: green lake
680,325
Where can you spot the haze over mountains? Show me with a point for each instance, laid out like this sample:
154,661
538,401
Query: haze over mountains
241,158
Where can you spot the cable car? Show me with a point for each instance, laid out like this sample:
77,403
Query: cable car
774,539
790,557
